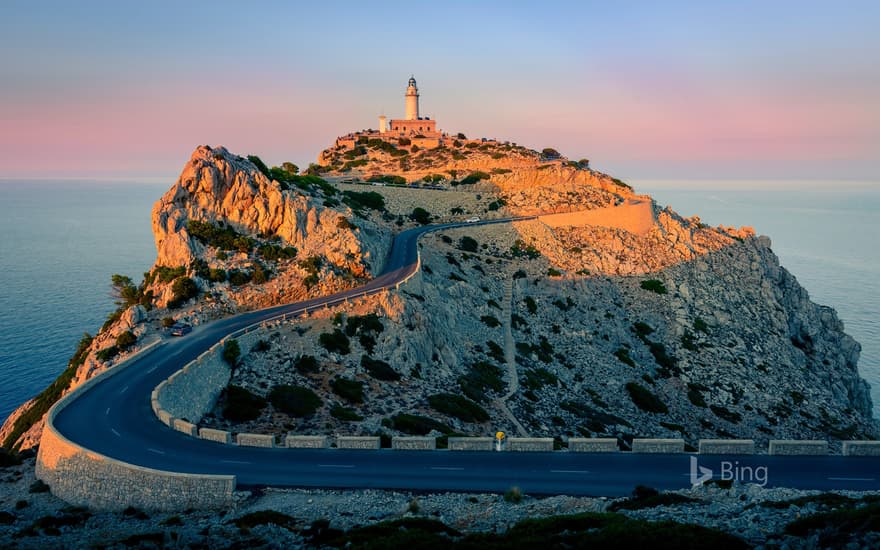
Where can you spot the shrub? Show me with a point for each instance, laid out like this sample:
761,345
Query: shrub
520,274
490,321
335,342
474,177
306,364
552,272
642,329
481,377
647,497
701,326
520,249
695,396
345,414
654,286
348,389
535,379
417,425
126,340
726,414
165,274
363,323
241,405
296,401
344,223
420,215
531,306
622,355
224,238
468,244
261,346
367,199
460,407
217,275
379,369
107,354
168,322
239,278
645,400
274,252
514,495
183,290
231,352
264,517
38,486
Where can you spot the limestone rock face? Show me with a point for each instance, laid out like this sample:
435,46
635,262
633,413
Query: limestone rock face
217,186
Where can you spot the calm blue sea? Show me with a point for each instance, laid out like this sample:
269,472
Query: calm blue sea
61,241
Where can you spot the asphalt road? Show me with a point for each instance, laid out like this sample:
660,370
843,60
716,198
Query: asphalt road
114,418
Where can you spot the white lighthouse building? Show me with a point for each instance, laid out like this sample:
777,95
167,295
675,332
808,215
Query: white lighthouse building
412,125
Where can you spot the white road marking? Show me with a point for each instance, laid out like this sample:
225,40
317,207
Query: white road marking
569,471
154,368
446,468
335,465
235,462
158,452
123,390
851,479
107,412
115,432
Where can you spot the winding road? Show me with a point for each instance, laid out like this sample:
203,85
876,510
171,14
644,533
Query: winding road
114,418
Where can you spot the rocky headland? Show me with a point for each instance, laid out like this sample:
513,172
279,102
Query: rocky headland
605,315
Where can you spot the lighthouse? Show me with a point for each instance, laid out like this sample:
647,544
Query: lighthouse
412,100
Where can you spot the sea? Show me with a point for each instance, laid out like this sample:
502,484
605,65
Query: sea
62,240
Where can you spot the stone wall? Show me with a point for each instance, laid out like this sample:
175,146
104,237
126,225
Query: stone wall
357,442
471,444
255,440
414,443
306,442
658,445
861,448
529,444
727,447
592,445
797,447
85,478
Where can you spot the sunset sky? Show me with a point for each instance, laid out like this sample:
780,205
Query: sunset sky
787,89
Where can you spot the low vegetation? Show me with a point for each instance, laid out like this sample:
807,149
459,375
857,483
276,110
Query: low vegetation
379,369
654,286
240,405
414,424
645,400
460,407
297,401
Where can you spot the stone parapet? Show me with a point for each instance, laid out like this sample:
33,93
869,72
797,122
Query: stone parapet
529,444
306,442
471,444
357,442
727,447
188,428
592,445
861,448
255,440
806,447
414,443
659,446
220,436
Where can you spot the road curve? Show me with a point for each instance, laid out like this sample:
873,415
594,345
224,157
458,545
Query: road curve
114,418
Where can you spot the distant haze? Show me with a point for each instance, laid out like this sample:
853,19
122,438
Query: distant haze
741,90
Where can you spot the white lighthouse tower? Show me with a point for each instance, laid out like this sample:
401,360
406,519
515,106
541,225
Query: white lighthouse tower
412,100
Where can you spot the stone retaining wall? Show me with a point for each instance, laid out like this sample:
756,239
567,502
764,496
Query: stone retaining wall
306,442
727,447
592,445
220,436
85,478
357,442
529,444
414,443
861,448
471,444
188,428
796,447
255,440
658,445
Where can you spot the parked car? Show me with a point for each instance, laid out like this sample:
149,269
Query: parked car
475,219
181,329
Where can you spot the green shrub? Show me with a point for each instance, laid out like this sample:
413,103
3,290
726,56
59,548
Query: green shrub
296,401
622,355
654,286
531,306
379,369
647,497
274,252
363,323
224,238
107,354
183,290
38,486
551,272
168,322
240,405
474,177
335,342
231,352
645,400
480,378
217,275
414,424
261,166
460,407
535,379
345,414
306,364
701,326
468,244
695,396
420,215
238,277
348,389
126,340
514,495
522,250
358,200
490,321
721,412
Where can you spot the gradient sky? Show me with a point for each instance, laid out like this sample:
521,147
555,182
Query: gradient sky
748,90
